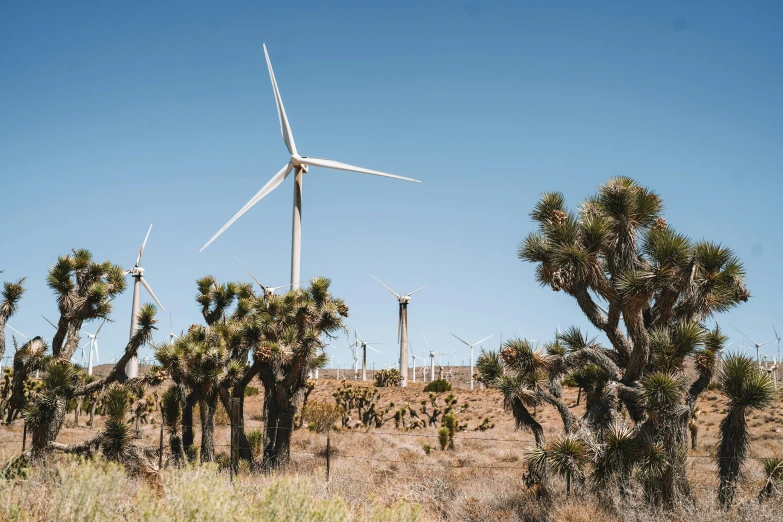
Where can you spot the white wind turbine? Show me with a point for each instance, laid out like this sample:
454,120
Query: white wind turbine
413,356
402,328
432,358
137,272
471,354
300,165
757,345
364,345
93,342
269,291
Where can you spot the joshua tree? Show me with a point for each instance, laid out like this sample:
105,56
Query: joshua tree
617,249
198,361
773,471
12,293
289,333
171,411
84,291
747,387
568,457
45,412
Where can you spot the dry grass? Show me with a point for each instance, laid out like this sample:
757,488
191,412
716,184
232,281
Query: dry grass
482,478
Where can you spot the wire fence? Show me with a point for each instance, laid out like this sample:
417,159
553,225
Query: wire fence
456,462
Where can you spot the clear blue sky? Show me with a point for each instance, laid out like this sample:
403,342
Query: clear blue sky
121,114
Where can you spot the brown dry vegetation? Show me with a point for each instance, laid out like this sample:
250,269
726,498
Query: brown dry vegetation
482,478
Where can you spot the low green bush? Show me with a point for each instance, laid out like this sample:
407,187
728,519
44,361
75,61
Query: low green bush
438,386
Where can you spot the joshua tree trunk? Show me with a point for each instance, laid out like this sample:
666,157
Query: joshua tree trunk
93,405
47,432
187,424
238,392
16,400
731,454
279,413
207,411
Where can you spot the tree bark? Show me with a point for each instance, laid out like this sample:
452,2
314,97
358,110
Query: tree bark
207,409
187,424
245,453
279,414
47,433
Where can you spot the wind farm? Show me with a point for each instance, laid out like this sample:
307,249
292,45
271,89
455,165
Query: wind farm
565,180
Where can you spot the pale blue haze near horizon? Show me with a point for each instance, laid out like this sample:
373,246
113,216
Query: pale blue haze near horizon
117,115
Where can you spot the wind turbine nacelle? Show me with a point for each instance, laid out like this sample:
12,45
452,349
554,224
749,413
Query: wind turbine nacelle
405,299
136,271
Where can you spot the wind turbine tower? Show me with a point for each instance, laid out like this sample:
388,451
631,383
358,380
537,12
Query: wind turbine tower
137,272
402,328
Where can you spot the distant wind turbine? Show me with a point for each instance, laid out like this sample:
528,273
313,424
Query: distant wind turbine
757,345
365,345
471,353
402,328
269,291
93,342
300,165
137,273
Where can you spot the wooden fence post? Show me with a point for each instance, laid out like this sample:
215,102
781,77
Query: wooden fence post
236,423
328,451
24,437
160,448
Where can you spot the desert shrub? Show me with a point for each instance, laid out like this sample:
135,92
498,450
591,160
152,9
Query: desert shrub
397,512
321,416
443,438
714,385
251,391
438,386
427,447
388,378
90,492
255,438
485,425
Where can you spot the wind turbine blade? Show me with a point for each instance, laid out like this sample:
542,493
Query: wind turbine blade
748,338
251,274
426,341
484,339
279,287
762,344
373,349
101,326
17,331
386,287
356,333
48,321
777,337
85,344
421,288
285,129
331,164
463,340
271,185
141,252
147,286
96,350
